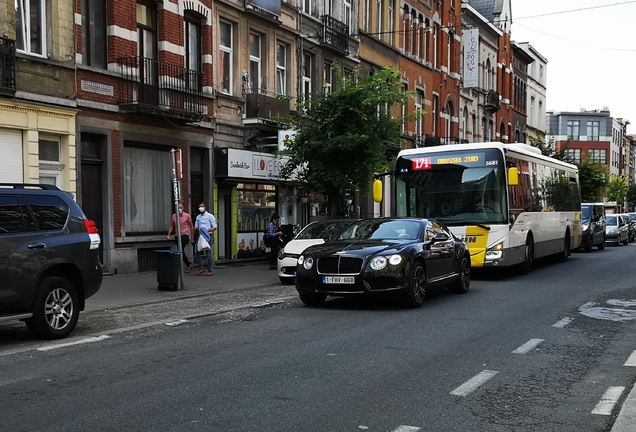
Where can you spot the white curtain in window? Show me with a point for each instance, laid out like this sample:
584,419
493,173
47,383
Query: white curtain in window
147,190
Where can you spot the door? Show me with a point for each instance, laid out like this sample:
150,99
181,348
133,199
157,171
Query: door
442,252
92,202
22,252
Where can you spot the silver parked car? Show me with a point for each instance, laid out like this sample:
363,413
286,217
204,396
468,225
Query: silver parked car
617,229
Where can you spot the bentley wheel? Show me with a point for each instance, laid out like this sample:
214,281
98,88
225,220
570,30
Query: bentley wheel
311,299
462,283
588,244
416,291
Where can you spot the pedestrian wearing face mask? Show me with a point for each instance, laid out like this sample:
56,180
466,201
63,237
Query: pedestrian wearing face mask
205,226
185,222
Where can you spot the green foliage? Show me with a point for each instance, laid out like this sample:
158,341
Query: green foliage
593,179
346,136
547,147
630,196
616,190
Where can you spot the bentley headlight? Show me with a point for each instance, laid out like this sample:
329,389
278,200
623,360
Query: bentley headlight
281,254
308,263
585,227
301,259
378,263
395,259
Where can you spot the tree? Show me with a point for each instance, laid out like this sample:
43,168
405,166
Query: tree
593,179
630,196
616,190
345,137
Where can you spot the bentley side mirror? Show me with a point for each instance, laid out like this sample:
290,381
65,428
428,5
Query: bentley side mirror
440,237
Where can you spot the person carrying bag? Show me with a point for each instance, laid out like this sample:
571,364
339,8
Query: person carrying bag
273,240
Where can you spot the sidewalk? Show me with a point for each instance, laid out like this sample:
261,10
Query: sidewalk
141,288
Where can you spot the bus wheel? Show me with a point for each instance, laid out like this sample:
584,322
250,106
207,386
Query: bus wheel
563,256
528,258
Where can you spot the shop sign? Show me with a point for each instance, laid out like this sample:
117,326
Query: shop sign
246,164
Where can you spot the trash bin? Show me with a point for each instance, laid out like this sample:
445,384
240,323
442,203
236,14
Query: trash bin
168,270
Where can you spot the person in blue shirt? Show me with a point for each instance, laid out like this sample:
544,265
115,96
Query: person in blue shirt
205,226
274,239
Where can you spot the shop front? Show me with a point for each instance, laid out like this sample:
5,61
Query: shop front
248,190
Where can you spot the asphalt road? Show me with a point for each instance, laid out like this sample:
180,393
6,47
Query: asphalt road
543,352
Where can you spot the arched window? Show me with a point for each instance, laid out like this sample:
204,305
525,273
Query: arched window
427,41
406,29
474,129
451,51
414,32
502,132
487,75
450,112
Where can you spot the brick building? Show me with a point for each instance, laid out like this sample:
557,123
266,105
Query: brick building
536,99
488,85
520,61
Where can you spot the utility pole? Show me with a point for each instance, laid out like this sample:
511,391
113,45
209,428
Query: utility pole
177,175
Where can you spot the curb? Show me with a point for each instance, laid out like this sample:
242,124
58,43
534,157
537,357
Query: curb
151,302
626,420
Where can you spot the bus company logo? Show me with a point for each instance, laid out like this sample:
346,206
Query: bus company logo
470,238
424,163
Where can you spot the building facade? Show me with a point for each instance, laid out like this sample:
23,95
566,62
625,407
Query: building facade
588,135
37,110
520,62
487,94
536,100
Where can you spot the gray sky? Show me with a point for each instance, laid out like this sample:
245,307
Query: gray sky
591,53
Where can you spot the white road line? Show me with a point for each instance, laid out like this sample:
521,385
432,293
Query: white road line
81,341
176,323
472,384
407,429
588,305
631,361
528,346
607,402
563,322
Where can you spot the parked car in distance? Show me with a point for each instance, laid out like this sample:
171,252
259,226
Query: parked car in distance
313,234
632,226
617,229
593,224
401,257
49,259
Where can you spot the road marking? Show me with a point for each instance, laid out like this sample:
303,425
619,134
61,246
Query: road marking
588,305
528,346
607,402
472,384
407,429
631,361
81,341
563,322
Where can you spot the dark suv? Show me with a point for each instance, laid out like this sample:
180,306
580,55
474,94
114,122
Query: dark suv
593,225
49,259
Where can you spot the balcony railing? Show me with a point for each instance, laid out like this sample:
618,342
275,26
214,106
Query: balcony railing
151,86
7,66
334,33
491,101
264,105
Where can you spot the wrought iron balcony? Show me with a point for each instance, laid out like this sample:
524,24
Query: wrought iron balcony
7,66
334,33
152,87
491,101
264,105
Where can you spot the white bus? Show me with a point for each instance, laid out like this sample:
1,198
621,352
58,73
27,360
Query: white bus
510,203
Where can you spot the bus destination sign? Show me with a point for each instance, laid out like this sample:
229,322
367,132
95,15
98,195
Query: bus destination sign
426,163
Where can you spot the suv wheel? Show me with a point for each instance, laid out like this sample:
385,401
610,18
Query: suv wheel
56,309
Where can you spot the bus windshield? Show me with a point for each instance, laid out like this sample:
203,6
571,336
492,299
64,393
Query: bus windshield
454,187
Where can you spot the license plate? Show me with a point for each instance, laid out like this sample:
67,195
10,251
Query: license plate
338,280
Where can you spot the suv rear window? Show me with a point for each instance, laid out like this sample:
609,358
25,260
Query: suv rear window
14,216
50,212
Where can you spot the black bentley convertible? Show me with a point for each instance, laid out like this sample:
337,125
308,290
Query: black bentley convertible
399,257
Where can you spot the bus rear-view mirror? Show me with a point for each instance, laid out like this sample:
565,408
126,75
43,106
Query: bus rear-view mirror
377,191
513,176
